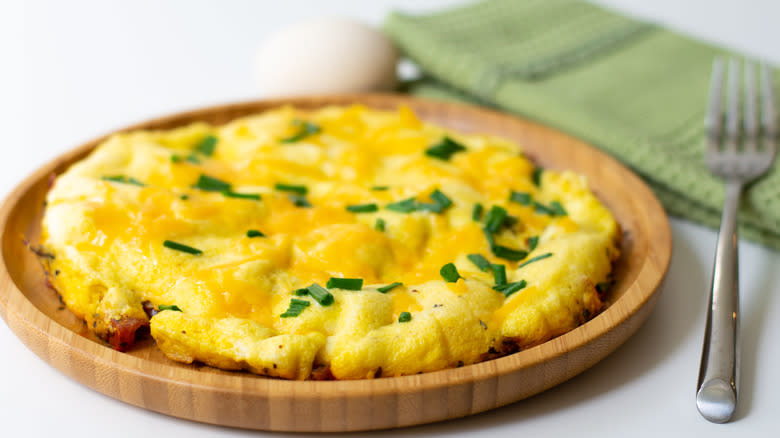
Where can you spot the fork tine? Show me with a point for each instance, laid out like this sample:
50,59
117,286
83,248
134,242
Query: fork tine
750,118
732,106
713,120
768,114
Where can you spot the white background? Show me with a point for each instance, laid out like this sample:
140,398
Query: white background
71,70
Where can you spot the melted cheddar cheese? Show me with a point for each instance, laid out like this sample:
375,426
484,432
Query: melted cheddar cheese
111,216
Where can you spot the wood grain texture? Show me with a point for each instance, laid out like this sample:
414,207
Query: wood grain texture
145,378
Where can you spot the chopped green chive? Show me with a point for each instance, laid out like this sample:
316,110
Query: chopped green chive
299,200
296,307
301,190
380,224
445,149
535,259
533,241
510,288
192,158
184,197
476,212
173,307
508,253
536,176
176,158
320,294
441,199
489,237
389,287
207,145
124,180
181,247
406,206
449,273
543,209
380,188
439,204
305,129
479,261
557,209
345,283
404,317
362,208
298,193
211,184
499,274
253,196
254,233
495,218
520,197
603,287
302,292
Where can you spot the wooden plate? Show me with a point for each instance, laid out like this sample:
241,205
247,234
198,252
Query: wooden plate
145,378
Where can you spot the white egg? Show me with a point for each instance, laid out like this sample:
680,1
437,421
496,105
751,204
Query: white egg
327,55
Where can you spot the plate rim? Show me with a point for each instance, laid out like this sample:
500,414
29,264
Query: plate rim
22,315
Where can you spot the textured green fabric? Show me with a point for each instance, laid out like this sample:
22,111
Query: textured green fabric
635,90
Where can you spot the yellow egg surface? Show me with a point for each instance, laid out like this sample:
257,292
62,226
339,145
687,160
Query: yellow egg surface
342,243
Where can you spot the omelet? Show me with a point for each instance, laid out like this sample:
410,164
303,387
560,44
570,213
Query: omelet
338,243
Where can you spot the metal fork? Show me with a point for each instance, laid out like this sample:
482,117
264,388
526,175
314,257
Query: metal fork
738,157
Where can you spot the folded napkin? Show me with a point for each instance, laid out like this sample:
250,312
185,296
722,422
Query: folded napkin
633,89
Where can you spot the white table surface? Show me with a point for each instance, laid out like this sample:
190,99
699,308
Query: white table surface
73,70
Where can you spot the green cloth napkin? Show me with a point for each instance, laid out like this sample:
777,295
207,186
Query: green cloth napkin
633,89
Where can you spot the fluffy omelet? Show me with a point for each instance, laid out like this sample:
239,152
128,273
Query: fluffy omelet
341,243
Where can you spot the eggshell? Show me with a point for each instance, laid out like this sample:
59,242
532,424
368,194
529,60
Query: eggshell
326,55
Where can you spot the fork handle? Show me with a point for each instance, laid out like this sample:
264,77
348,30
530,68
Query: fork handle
716,396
